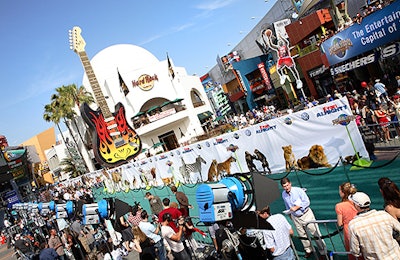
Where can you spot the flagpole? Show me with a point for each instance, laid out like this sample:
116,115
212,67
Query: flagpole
171,73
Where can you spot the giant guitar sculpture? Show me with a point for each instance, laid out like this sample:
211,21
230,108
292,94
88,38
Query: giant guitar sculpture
114,141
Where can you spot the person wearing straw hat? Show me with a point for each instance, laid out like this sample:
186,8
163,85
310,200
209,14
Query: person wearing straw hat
371,231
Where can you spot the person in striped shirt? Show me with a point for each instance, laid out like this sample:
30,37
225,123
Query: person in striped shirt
371,231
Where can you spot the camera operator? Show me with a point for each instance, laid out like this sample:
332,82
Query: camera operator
173,212
174,238
153,233
277,240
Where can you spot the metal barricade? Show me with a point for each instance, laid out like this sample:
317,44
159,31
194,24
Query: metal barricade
331,254
328,229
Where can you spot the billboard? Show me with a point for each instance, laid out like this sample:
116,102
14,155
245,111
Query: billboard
376,29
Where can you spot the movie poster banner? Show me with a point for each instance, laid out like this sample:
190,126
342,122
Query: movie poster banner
255,148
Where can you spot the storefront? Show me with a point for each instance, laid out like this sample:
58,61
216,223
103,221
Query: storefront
256,80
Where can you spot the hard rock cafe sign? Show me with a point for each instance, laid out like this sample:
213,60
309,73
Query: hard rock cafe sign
145,82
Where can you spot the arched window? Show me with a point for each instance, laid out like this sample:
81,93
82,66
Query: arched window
196,99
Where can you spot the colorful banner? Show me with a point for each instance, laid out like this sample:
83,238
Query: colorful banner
375,30
303,130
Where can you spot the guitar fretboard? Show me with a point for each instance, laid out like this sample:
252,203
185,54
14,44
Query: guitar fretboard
100,99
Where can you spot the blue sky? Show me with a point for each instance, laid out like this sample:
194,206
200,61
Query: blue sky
36,59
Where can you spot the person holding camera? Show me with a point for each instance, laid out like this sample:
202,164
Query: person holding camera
173,212
153,233
174,238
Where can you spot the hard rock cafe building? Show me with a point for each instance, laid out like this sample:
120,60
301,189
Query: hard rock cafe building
165,106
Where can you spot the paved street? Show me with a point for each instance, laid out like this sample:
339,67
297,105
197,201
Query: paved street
6,253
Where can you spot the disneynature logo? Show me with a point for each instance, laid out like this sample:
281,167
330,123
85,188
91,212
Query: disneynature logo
339,47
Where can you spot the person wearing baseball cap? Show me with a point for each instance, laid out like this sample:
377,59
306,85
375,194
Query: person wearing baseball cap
371,231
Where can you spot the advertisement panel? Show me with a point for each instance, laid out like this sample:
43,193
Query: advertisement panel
376,29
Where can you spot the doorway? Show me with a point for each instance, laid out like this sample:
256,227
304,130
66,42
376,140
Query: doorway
170,141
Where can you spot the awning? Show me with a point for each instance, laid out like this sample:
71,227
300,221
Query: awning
219,118
176,100
165,103
157,144
152,109
204,115
138,114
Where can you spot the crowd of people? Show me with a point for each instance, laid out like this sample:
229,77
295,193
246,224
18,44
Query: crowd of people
372,105
166,230
368,233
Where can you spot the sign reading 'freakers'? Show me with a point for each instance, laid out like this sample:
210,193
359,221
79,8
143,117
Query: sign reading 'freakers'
377,29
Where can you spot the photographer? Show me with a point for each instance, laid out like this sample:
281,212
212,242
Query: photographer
152,232
174,238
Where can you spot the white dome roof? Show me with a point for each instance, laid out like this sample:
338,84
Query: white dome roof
124,57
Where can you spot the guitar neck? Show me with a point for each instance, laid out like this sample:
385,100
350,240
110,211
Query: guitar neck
99,97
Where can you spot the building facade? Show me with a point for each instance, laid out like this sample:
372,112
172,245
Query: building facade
162,103
305,27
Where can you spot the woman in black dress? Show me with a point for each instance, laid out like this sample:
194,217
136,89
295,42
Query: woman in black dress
143,244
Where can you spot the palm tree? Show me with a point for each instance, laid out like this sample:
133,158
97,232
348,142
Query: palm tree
62,106
72,96
52,114
70,167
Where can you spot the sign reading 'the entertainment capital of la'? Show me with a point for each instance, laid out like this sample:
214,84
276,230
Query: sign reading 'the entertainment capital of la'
377,29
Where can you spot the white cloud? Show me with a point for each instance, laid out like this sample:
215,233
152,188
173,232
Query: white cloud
166,33
213,5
